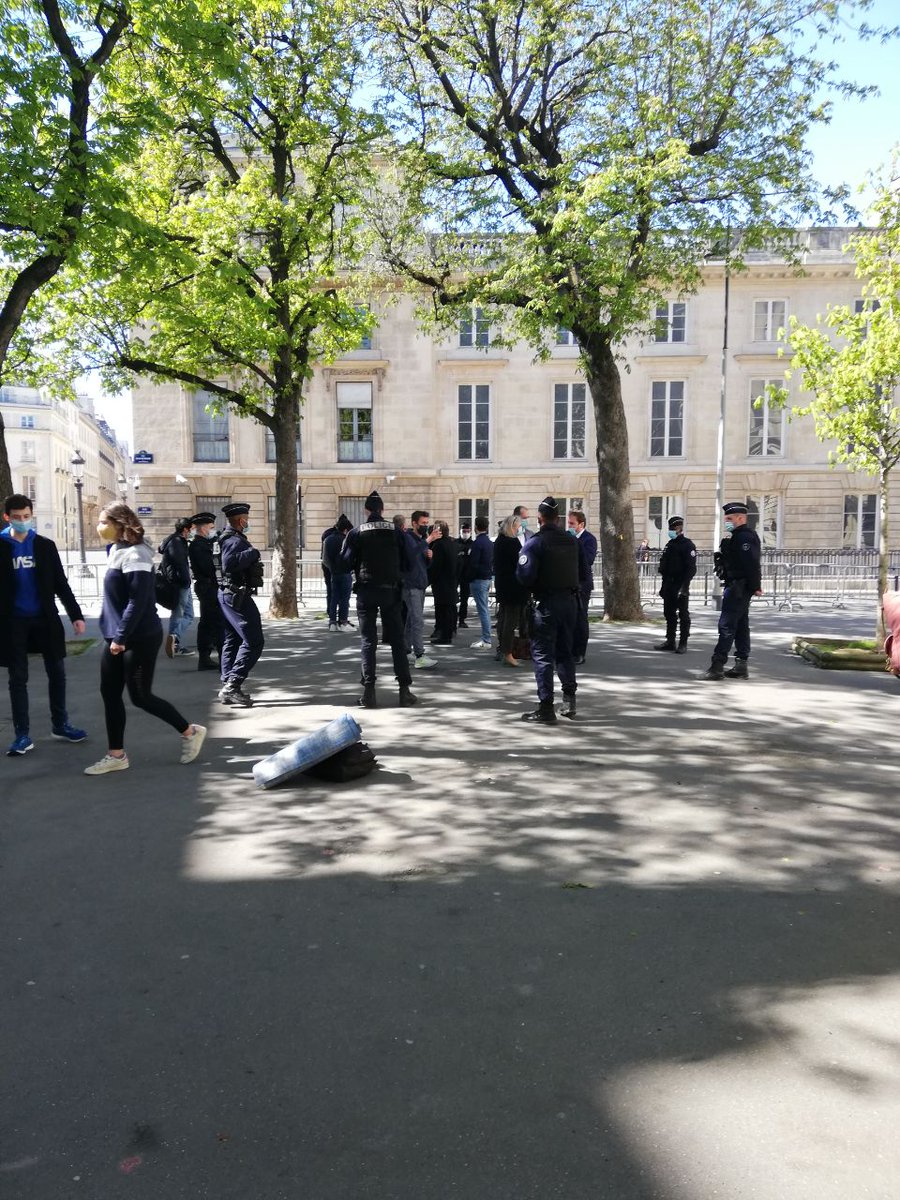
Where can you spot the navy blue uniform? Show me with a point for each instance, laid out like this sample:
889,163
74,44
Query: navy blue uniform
742,572
203,554
376,553
241,571
678,566
549,567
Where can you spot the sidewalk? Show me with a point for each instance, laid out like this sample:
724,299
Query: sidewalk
647,955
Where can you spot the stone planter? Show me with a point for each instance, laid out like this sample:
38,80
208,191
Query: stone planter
828,652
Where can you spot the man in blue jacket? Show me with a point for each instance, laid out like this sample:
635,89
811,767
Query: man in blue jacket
31,577
241,576
481,570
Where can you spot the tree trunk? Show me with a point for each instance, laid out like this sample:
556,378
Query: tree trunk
284,555
6,483
621,589
883,562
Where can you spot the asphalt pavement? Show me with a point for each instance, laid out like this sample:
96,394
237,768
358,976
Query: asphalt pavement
650,953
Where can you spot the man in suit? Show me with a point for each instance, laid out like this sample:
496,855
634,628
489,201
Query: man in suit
578,528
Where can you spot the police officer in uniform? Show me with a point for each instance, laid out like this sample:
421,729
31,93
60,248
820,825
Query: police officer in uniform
738,565
203,553
376,552
678,566
241,574
549,566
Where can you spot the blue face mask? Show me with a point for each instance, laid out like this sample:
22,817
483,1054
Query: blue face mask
22,526
672,533
729,526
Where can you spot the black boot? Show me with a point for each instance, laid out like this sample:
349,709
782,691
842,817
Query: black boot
545,713
207,663
716,670
739,670
666,645
407,699
681,648
567,709
367,699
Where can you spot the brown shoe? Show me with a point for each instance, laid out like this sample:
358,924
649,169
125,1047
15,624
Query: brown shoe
510,661
171,643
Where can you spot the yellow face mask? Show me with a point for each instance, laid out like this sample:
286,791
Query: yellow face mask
108,533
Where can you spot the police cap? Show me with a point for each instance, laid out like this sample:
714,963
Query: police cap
734,509
204,519
548,507
674,522
235,510
374,502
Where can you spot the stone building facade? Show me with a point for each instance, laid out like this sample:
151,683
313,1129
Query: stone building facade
460,427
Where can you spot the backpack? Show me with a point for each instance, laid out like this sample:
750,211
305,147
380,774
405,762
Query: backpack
166,590
350,763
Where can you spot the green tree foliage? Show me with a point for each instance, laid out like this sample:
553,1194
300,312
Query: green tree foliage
849,362
233,277
571,162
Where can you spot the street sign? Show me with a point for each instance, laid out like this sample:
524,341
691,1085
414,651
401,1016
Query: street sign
142,457
145,510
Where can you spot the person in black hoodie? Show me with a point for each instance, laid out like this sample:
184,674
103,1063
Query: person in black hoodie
340,581
203,554
176,568
442,576
133,631
511,595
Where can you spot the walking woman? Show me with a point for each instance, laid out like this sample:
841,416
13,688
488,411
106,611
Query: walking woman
511,595
133,633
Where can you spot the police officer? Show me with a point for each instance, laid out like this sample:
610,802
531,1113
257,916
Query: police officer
204,555
678,566
549,566
376,552
738,566
241,574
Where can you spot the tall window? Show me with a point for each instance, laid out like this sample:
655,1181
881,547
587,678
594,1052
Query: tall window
670,322
366,341
667,418
768,317
765,435
26,422
353,508
474,421
271,522
354,401
474,328
270,445
210,431
29,487
213,504
468,509
659,509
26,451
860,522
569,420
565,337
571,503
764,516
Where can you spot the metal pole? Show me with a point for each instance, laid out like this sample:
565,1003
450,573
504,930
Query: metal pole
78,486
720,441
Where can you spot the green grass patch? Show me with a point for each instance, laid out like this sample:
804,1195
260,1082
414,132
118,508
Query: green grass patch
76,647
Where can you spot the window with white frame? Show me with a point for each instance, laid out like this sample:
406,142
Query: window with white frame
26,421
211,442
474,421
565,337
766,431
26,451
362,310
29,487
271,521
670,322
768,317
667,418
569,420
474,328
764,517
270,444
860,522
354,405
659,509
214,504
468,508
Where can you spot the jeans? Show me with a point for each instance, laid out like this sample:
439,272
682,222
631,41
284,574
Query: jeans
478,589
17,650
414,598
339,598
182,614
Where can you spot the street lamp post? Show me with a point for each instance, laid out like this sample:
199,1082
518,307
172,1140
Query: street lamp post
78,479
122,485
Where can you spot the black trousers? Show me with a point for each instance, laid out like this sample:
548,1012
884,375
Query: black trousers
580,640
444,621
372,598
19,632
211,626
553,629
734,623
676,611
133,669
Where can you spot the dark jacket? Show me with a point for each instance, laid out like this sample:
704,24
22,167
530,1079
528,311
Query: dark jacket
174,551
481,560
51,582
678,563
588,544
202,555
129,598
506,558
443,571
331,552
741,554
416,573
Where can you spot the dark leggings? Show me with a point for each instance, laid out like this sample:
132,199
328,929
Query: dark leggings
133,669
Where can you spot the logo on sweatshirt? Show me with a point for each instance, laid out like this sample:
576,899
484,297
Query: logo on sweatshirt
23,560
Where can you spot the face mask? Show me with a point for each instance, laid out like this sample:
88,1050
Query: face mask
672,533
22,526
108,533
423,531
466,537
245,528
523,527
729,526
573,532
210,535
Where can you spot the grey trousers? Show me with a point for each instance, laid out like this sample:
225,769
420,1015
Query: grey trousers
414,599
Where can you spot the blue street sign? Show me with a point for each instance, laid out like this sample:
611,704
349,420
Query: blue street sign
142,457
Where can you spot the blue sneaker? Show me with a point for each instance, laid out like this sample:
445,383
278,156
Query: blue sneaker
68,733
21,745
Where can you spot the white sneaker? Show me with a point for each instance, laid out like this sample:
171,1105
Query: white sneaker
106,764
425,664
481,644
190,746
332,627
